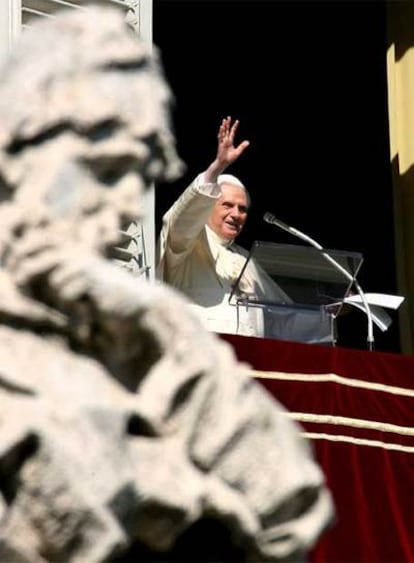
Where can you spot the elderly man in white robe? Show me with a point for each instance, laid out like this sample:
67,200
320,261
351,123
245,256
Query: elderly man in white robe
197,252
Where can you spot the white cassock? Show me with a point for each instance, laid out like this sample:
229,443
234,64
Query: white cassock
194,260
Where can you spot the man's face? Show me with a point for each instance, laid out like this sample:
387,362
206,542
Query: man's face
229,213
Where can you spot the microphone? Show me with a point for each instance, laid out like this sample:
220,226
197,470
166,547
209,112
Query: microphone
269,218
272,220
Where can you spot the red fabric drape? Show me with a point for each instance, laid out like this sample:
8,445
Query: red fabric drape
357,407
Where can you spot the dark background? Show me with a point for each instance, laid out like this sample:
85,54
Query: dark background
307,80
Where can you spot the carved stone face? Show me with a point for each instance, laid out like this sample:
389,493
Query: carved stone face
85,130
83,189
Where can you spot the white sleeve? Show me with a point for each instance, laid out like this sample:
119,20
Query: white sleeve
210,189
185,220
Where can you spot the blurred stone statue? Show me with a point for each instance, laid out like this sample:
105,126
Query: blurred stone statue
127,432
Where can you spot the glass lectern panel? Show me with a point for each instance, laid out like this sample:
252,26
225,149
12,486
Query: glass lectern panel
307,275
310,279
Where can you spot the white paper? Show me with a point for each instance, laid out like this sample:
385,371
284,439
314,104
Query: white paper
380,317
376,302
379,299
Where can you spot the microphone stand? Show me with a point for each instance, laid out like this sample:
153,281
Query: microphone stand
269,218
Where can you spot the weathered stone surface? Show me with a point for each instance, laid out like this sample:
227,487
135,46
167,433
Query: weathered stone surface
127,432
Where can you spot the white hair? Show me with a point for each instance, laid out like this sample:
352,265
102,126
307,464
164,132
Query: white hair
230,179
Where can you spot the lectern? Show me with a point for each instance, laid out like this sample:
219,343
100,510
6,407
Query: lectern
315,283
